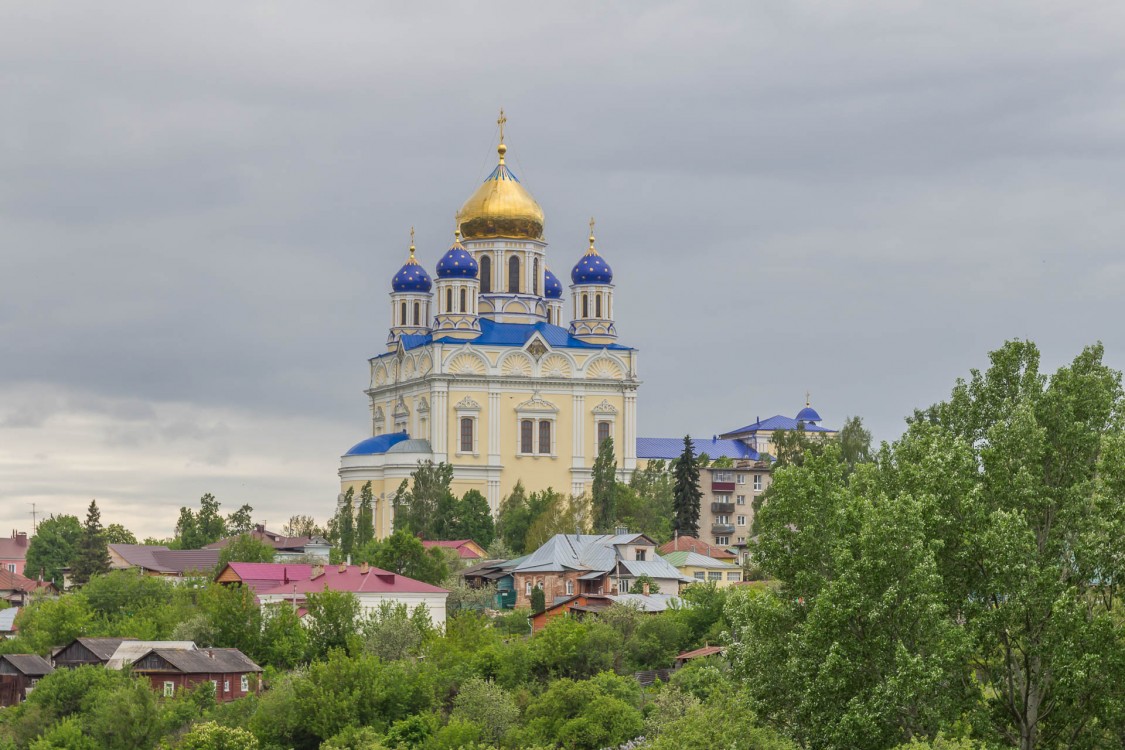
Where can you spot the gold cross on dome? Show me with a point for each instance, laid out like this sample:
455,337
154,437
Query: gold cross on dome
807,395
412,241
591,225
500,121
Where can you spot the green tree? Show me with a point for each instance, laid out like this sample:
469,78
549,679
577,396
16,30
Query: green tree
303,526
48,623
345,524
246,549
234,617
682,722
403,553
53,547
195,530
557,514
487,705
475,519
212,736
115,533
855,442
515,517
365,519
333,621
648,505
240,522
91,557
538,600
604,488
596,713
417,506
284,638
686,495
391,633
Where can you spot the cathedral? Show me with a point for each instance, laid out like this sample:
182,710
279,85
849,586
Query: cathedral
492,368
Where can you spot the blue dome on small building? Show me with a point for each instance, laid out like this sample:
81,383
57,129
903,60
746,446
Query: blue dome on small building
376,445
552,287
591,268
411,278
808,414
458,263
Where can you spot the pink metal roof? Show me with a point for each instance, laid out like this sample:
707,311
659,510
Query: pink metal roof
259,577
356,581
461,545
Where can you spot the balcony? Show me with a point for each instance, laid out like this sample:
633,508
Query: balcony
722,486
722,528
723,508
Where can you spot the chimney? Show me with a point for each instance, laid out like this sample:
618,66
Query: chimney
20,537
210,654
317,572
364,569
644,588
344,566
348,561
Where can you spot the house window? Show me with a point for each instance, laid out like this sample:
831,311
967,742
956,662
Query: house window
640,555
714,576
526,434
734,576
514,274
417,313
742,479
700,575
742,520
535,276
603,432
722,519
169,689
244,684
544,436
528,587
757,481
485,274
722,541
226,686
464,301
215,686
11,567
741,499
569,587
466,434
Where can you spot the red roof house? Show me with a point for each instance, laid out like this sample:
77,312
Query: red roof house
17,590
466,549
13,552
698,546
260,577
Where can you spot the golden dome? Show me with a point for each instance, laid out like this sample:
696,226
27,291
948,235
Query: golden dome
501,207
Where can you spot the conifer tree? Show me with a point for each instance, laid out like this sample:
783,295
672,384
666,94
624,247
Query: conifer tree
604,488
346,524
686,495
92,556
365,521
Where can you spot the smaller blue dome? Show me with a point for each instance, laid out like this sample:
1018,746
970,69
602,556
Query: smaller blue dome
552,287
376,445
808,414
458,263
591,268
411,278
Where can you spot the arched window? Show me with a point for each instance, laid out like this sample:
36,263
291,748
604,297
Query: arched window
585,306
514,274
449,300
402,317
603,432
417,314
464,300
466,434
485,274
526,434
545,436
535,276
597,305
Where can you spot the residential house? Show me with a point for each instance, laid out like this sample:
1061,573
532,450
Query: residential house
570,564
8,622
466,549
699,653
263,576
18,590
692,544
13,552
158,560
231,672
702,568
307,549
581,605
498,573
18,675
83,652
371,586
129,650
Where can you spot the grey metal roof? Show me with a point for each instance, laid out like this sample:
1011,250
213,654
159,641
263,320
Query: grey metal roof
8,619
649,603
31,665
658,568
413,445
592,552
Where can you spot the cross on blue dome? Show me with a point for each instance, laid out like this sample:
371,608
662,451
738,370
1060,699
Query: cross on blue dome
591,268
411,278
552,287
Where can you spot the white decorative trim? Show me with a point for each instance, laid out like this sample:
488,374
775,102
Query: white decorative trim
467,404
536,404
604,408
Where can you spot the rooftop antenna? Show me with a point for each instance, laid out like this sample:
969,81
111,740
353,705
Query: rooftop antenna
34,521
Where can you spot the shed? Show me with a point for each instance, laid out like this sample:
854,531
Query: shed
83,651
18,675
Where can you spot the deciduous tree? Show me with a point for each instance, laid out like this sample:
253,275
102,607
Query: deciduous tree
53,547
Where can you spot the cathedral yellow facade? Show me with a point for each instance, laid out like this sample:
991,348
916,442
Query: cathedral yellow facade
490,370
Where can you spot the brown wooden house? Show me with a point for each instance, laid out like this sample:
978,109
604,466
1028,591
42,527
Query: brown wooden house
228,669
18,675
84,651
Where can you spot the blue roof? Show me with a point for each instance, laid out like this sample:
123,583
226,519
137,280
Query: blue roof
808,414
591,268
513,334
669,448
457,263
411,278
377,444
778,422
552,287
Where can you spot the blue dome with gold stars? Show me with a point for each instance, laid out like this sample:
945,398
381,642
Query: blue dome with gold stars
458,263
591,268
552,287
411,277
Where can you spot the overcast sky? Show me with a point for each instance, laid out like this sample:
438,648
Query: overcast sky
202,204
